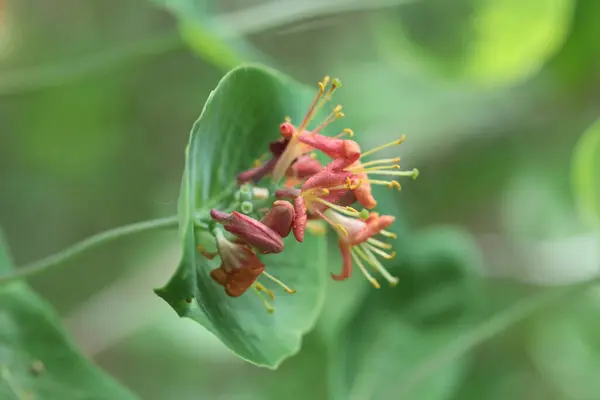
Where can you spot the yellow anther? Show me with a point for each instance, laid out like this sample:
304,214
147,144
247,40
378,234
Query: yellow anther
340,115
388,234
337,109
352,210
379,243
288,119
402,139
336,83
257,163
258,289
396,184
342,229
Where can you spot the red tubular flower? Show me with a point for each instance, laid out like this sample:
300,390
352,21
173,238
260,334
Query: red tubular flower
319,192
249,230
239,269
357,243
262,169
297,148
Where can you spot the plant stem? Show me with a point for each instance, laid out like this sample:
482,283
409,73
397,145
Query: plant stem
98,239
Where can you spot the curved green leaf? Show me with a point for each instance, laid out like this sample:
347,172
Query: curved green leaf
486,42
37,359
217,43
586,174
240,118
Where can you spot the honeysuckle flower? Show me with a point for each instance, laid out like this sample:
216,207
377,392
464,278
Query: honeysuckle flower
261,167
358,245
318,193
250,231
240,268
296,146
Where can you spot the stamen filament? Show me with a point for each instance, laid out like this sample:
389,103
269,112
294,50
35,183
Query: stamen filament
334,115
388,234
379,243
382,161
396,173
390,184
366,273
314,105
258,288
384,146
349,211
373,169
375,262
381,252
280,283
346,131
340,230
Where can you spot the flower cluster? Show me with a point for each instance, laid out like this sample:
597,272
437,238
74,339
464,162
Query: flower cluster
307,192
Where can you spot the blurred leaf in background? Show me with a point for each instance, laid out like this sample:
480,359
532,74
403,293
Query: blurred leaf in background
479,41
37,360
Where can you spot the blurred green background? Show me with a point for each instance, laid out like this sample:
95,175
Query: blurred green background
97,98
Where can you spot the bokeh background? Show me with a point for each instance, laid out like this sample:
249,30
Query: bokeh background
97,98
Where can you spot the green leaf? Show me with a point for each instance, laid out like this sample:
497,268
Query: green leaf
215,42
586,174
240,118
485,42
37,359
398,328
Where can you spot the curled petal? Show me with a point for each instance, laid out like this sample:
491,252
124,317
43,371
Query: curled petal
280,218
251,231
304,167
327,179
373,225
220,216
257,173
300,220
219,275
364,195
347,199
278,147
237,281
346,263
242,279
332,147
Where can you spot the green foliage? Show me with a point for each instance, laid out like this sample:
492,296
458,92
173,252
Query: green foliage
586,174
564,345
480,41
37,359
239,119
208,38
